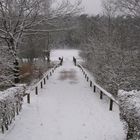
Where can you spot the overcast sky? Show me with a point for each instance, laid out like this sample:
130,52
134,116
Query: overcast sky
92,6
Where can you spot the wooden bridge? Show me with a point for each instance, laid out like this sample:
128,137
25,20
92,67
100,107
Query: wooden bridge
67,104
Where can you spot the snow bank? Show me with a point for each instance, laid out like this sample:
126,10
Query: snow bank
130,112
10,105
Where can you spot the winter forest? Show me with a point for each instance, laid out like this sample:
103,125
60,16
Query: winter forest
46,46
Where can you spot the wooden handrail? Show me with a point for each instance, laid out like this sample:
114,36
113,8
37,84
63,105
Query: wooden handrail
101,89
44,76
27,93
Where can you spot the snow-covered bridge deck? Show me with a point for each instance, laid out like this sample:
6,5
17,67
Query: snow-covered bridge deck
66,109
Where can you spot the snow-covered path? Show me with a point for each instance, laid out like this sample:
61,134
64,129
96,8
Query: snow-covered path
66,109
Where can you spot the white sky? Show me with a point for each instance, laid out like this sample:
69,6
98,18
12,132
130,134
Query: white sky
92,6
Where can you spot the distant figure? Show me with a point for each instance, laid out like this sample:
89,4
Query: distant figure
61,60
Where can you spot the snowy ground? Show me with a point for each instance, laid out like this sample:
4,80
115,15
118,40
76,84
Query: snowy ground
66,109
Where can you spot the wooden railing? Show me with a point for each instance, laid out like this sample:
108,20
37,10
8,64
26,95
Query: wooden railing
11,104
95,86
42,82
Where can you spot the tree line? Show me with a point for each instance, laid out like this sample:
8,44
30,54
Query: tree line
111,45
25,27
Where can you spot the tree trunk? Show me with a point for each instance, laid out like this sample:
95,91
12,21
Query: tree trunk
12,48
16,72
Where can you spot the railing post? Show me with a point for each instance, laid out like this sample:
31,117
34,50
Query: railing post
87,78
6,125
85,75
41,84
47,77
101,95
2,129
111,105
28,98
44,81
94,88
36,90
53,71
50,73
90,83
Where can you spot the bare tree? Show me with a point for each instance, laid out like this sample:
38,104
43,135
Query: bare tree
131,7
19,17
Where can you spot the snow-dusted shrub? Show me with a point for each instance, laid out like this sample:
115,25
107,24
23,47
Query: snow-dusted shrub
130,112
10,105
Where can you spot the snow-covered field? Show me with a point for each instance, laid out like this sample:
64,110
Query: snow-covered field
66,109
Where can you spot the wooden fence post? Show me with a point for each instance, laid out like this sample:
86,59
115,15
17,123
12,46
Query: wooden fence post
2,129
36,90
94,88
41,84
6,125
87,78
111,105
53,71
50,73
90,83
44,81
28,98
47,77
101,95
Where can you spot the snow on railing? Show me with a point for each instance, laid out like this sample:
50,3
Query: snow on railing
96,86
10,105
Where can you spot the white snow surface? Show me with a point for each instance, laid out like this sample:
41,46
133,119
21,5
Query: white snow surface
66,109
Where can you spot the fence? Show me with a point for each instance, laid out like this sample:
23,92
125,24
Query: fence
12,99
96,86
42,82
